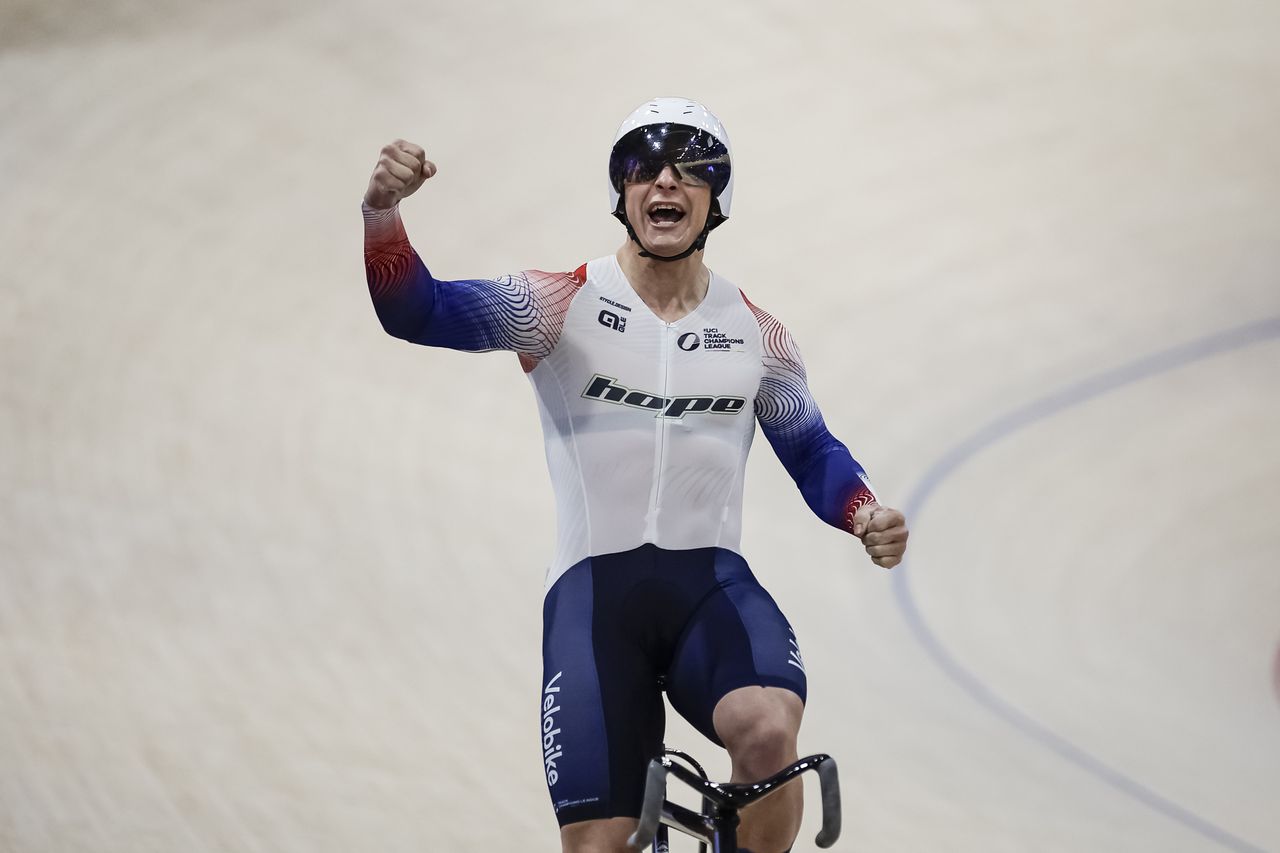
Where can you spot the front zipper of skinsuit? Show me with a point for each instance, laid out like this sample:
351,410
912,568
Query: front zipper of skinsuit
660,440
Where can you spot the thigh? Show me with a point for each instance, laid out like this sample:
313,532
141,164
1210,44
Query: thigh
738,637
601,710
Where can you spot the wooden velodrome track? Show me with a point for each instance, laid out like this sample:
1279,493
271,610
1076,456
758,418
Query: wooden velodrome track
270,580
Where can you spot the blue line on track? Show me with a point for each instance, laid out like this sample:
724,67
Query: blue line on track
1000,429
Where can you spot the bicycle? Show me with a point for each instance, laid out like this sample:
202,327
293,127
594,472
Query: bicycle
717,824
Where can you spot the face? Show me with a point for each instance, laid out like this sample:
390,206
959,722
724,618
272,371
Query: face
669,212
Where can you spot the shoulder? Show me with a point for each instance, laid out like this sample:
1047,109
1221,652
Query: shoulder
550,288
776,339
546,279
592,272
763,317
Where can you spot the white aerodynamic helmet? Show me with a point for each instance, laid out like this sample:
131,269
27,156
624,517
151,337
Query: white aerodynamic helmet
674,132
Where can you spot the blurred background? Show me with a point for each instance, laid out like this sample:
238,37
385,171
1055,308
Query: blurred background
270,580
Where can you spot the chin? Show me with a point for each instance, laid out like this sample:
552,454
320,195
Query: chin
667,244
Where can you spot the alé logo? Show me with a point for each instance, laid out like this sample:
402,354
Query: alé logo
610,320
606,388
552,749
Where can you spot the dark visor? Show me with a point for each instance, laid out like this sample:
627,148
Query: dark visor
697,156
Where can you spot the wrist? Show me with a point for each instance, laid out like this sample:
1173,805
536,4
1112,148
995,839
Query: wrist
379,202
860,501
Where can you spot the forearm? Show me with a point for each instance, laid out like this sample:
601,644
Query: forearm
835,486
403,291
832,482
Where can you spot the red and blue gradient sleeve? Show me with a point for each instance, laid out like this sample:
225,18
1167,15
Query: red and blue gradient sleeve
832,482
523,313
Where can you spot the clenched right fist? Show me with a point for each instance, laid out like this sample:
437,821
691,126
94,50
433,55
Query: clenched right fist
401,169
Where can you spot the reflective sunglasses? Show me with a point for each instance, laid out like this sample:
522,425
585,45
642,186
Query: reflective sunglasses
699,159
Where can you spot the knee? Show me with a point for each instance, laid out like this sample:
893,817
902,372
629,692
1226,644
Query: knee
764,746
758,727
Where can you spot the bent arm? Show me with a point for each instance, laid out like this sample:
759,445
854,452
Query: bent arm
522,313
832,482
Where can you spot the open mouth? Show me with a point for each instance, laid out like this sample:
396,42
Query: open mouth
661,213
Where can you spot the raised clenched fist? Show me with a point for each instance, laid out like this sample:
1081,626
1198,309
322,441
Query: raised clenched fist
883,532
402,167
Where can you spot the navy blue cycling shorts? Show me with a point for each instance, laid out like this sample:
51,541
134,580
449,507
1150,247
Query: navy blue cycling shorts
620,628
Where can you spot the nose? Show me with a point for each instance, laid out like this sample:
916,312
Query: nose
668,178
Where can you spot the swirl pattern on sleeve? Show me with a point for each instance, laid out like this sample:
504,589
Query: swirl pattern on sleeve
832,482
523,313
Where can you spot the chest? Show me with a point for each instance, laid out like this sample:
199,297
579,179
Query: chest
709,359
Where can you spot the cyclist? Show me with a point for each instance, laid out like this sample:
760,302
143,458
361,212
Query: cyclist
650,371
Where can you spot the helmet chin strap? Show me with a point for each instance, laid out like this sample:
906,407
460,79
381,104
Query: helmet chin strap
696,246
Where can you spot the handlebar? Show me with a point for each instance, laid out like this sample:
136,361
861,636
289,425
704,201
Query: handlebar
733,797
655,795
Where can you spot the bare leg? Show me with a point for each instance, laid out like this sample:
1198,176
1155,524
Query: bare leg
598,836
759,727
